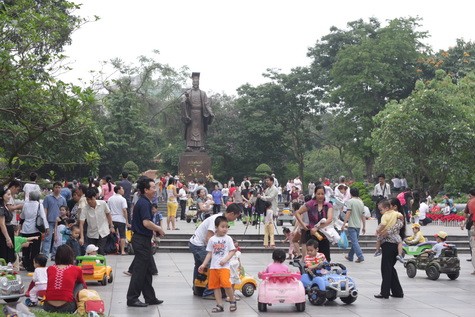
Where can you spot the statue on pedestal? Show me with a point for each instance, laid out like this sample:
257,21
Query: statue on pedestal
197,115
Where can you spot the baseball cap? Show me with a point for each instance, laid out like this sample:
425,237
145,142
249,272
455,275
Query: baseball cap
91,248
441,234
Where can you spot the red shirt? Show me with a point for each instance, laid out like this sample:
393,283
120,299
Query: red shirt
471,207
61,282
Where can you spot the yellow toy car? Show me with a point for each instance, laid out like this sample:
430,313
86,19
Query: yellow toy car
95,268
247,286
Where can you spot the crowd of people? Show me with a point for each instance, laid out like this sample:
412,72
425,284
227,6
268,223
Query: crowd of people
76,215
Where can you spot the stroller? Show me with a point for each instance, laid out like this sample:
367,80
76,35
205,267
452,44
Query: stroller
192,214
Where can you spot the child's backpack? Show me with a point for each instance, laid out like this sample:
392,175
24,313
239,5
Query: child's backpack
89,301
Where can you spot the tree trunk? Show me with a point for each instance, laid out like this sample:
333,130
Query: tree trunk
369,166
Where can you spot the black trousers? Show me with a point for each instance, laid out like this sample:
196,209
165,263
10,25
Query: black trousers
390,283
183,209
31,251
141,279
100,243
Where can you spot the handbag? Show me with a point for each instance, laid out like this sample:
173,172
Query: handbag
40,223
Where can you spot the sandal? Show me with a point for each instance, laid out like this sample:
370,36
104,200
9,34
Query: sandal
217,309
233,306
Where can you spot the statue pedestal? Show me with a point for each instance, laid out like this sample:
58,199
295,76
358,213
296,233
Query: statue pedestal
194,165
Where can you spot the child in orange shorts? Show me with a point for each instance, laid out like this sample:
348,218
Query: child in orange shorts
220,250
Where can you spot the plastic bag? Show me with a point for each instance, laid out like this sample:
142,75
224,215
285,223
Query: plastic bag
343,242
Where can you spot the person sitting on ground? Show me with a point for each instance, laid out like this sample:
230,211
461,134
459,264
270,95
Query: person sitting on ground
388,220
40,278
417,236
436,250
64,282
313,258
278,266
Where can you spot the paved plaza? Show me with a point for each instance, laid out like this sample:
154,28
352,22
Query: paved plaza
423,297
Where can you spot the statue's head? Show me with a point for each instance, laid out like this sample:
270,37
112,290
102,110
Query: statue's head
196,80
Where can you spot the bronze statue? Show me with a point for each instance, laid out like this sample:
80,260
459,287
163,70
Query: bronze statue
197,115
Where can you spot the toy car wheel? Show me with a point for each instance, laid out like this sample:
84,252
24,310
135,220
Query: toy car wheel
104,280
195,220
411,270
248,289
432,272
261,306
453,276
111,278
280,222
300,306
314,298
11,300
348,300
198,291
188,220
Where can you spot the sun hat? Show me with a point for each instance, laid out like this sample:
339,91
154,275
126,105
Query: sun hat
441,234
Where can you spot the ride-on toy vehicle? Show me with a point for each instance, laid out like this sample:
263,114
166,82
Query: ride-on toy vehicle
11,285
247,286
95,268
281,288
285,216
191,214
417,249
328,283
448,263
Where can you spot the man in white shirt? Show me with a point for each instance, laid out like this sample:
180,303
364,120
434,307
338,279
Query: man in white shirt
200,239
118,211
31,186
99,221
182,196
423,210
270,194
381,190
396,183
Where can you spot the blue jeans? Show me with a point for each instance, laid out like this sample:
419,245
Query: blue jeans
199,254
49,240
353,236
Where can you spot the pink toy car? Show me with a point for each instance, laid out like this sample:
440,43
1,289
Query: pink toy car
281,288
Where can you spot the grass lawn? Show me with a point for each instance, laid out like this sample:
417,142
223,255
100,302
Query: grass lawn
41,313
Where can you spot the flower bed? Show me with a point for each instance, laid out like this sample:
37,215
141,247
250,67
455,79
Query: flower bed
449,220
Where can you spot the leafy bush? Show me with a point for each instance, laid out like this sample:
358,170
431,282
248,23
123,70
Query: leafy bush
132,169
263,170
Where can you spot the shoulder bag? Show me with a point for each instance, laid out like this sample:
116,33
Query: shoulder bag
40,223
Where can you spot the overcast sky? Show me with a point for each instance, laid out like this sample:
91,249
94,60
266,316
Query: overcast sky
232,42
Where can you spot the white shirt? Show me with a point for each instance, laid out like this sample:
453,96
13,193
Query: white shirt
182,194
269,218
298,183
396,182
225,192
117,203
30,187
219,248
199,238
97,223
423,210
40,276
29,211
378,190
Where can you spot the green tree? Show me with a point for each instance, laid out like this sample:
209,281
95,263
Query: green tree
360,69
40,114
429,134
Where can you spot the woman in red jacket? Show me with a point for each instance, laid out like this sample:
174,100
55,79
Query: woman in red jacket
64,282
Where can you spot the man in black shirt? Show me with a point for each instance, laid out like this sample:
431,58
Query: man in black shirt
143,228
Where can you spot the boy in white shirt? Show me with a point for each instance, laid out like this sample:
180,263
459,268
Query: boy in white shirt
220,249
40,278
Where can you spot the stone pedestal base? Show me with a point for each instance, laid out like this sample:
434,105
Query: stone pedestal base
194,165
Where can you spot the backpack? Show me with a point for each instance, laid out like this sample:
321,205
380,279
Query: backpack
89,301
112,245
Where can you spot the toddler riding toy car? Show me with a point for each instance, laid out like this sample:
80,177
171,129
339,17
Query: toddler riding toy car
417,249
328,283
447,263
95,268
283,288
247,286
11,285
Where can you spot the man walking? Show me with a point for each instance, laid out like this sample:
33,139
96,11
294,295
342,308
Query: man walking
127,186
355,218
118,209
99,221
143,228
